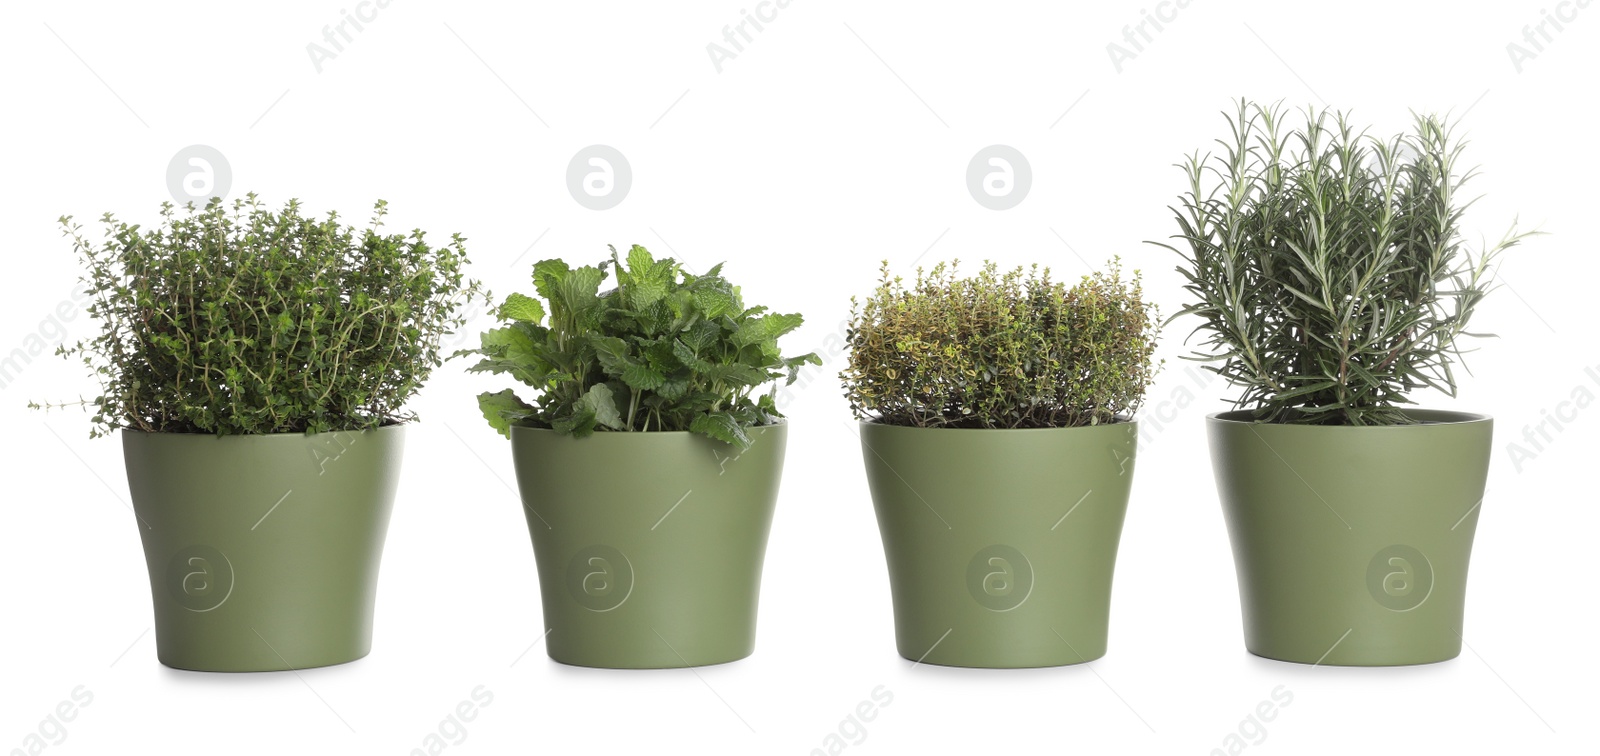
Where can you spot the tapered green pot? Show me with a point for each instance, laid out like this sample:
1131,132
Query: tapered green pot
263,551
649,545
1000,543
1351,543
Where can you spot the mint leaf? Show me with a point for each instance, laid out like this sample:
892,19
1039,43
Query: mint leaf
547,277
794,363
599,403
612,352
765,328
523,308
502,409
642,377
723,427
665,350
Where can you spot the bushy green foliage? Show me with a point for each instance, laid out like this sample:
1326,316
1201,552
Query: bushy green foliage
1000,350
1327,266
246,320
664,351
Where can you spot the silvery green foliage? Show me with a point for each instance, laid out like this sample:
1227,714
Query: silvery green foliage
1327,266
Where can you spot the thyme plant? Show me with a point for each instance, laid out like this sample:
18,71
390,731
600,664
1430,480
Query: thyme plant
246,320
665,350
1327,265
1000,350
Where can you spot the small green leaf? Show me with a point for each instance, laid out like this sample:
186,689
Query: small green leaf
766,328
599,402
642,377
523,308
794,363
723,427
613,354
502,409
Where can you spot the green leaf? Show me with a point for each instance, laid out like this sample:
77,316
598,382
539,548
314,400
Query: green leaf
688,357
547,278
575,297
523,308
794,363
642,377
702,335
672,390
502,409
578,423
599,402
736,374
766,328
613,354
648,279
721,426
714,301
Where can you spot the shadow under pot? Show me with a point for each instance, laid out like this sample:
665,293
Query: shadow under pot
1351,543
1000,543
263,550
649,545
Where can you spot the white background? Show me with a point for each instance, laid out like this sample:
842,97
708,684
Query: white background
838,138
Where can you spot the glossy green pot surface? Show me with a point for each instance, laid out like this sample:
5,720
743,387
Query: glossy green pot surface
649,546
1351,543
1000,543
263,551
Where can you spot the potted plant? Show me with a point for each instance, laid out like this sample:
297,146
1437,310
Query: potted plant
1329,275
648,464
996,425
256,364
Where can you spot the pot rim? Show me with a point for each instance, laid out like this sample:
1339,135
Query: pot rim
1120,421
136,433
598,433
1429,417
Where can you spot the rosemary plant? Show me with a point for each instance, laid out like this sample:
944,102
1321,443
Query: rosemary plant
1327,266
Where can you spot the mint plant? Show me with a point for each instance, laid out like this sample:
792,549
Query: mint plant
1327,266
238,319
665,350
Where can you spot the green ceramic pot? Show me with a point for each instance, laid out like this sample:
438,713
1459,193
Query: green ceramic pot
1351,543
263,551
1000,543
649,545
